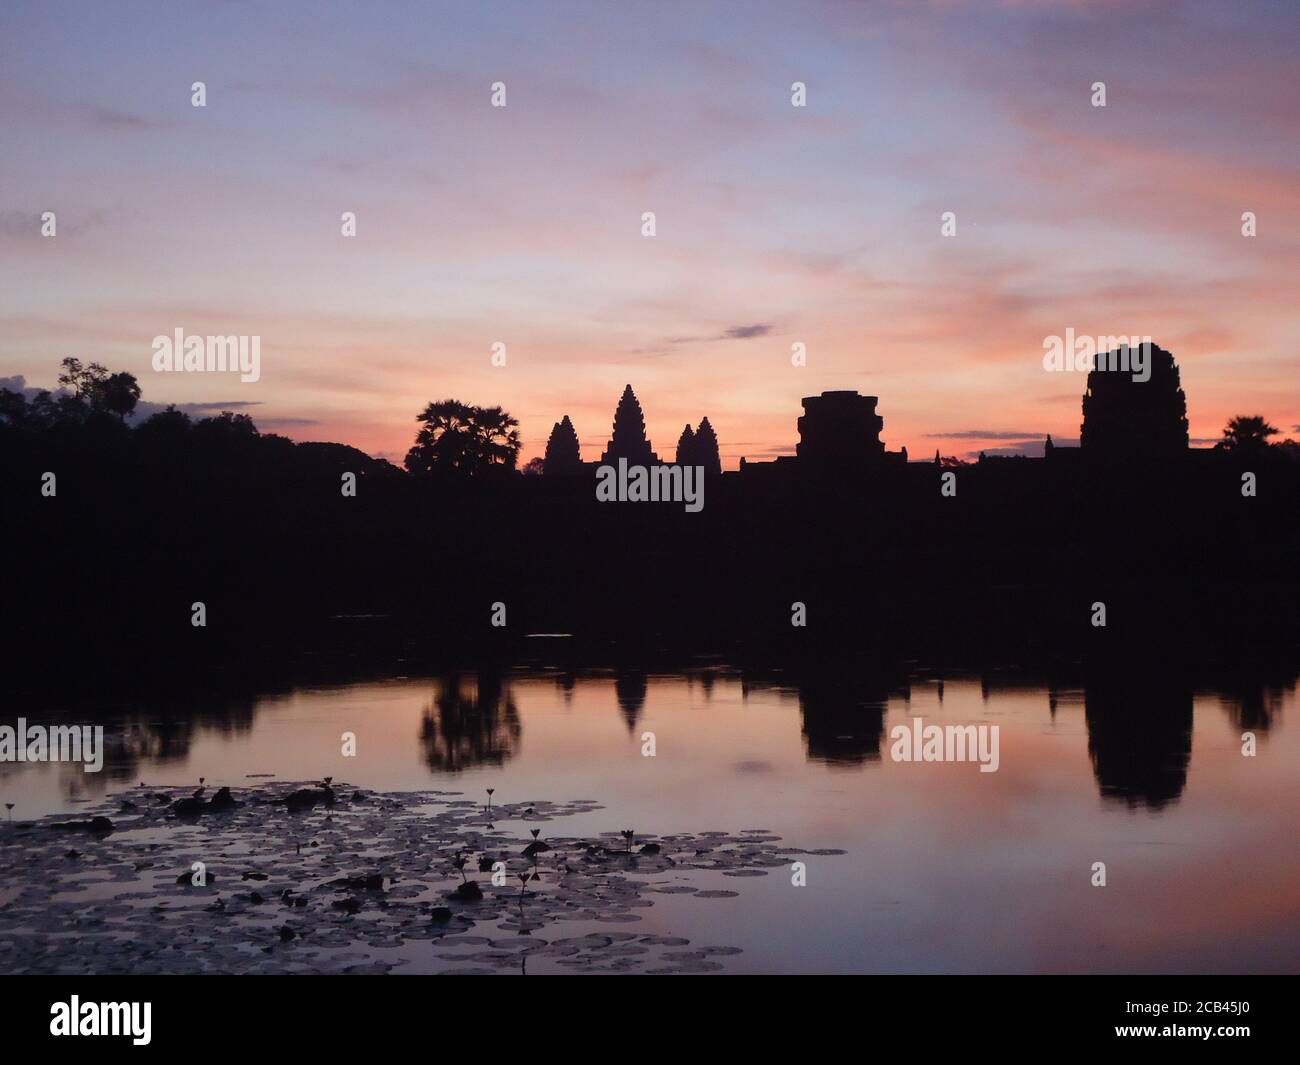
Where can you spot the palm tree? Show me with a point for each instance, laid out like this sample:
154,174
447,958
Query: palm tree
461,438
1247,433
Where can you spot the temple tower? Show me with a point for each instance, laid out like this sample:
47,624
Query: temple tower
629,440
839,430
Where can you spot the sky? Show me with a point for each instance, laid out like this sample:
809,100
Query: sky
775,225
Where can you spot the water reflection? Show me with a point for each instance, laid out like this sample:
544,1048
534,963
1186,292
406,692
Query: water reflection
1139,723
630,687
1139,737
470,722
161,736
1253,707
1143,767
843,719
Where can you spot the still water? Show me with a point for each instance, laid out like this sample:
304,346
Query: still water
947,869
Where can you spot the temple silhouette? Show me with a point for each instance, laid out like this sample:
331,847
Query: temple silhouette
844,543
1125,422
628,441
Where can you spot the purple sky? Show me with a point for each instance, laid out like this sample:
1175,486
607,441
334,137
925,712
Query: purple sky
775,224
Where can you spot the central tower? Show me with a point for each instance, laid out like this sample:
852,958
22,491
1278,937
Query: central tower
629,439
838,430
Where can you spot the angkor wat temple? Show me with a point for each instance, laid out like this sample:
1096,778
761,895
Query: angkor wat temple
1126,423
1186,547
695,447
1167,535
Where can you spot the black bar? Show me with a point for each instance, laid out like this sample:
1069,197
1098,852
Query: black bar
978,1014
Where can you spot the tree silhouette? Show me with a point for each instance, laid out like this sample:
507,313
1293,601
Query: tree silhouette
562,452
227,426
85,382
47,411
165,429
95,389
464,439
13,409
1247,433
706,444
119,394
